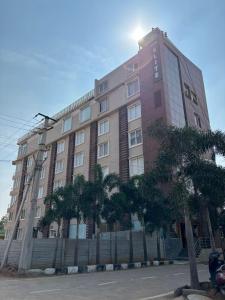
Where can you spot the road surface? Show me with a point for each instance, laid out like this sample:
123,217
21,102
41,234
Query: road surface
134,284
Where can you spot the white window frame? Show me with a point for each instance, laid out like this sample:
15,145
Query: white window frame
57,184
60,147
106,105
65,129
13,199
104,129
99,145
136,144
136,115
135,92
79,162
131,167
79,137
57,164
29,161
38,212
45,155
43,170
40,192
16,183
81,118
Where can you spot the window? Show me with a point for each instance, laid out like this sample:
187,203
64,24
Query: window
133,87
194,98
59,166
79,138
45,155
103,105
22,149
102,87
105,171
187,91
85,114
29,161
16,182
157,99
40,136
23,214
38,212
19,234
18,167
103,149
60,147
103,127
42,176
132,67
134,112
135,137
52,232
57,184
197,120
79,159
136,166
13,200
27,178
67,124
10,216
40,192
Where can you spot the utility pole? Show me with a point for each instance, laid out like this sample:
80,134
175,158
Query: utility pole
26,249
27,242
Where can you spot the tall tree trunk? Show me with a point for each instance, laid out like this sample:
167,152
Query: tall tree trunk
110,246
191,251
98,246
116,248
56,246
144,244
211,237
77,244
131,253
158,244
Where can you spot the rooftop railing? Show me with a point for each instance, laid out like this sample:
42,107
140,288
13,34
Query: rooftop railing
60,114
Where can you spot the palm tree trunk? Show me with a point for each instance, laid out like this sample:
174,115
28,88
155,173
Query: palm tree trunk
191,252
77,244
131,253
98,246
116,248
211,237
56,246
144,244
158,245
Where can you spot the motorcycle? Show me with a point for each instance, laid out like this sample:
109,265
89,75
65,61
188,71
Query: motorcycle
220,279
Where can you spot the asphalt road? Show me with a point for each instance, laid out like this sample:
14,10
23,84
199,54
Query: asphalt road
135,284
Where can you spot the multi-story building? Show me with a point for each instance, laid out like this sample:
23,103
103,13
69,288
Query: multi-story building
109,125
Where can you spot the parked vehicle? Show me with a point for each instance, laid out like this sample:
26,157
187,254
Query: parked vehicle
220,279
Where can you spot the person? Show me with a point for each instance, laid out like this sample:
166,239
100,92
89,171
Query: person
214,264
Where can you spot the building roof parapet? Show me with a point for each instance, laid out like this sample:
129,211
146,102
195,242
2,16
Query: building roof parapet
85,98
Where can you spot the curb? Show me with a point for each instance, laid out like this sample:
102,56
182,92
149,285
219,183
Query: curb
102,267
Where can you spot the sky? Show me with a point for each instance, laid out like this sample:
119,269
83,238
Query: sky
51,51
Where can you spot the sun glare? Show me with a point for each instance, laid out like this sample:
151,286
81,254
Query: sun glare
138,33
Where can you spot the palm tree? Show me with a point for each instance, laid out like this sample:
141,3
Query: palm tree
97,192
74,195
181,148
113,213
58,209
209,182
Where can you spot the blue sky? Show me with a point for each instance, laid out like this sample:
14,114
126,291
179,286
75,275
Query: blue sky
51,52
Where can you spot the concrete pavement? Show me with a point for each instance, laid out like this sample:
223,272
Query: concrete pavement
134,284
